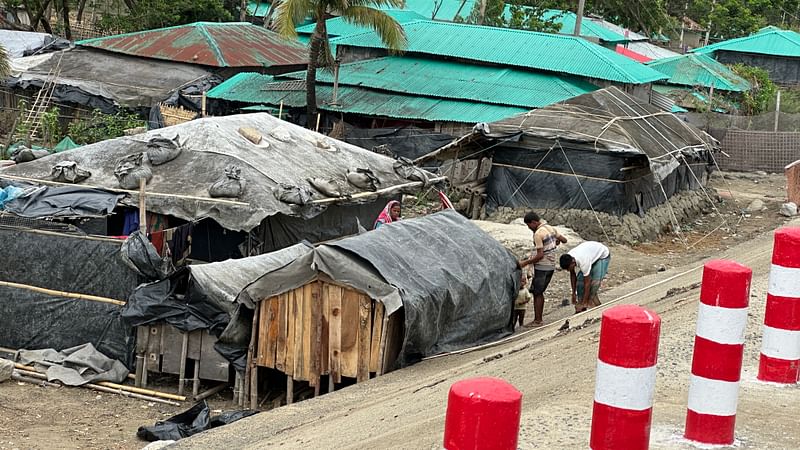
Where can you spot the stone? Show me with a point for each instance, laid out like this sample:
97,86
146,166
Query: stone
755,206
6,369
789,209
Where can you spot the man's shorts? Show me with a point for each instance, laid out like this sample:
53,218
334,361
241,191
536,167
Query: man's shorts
598,272
541,279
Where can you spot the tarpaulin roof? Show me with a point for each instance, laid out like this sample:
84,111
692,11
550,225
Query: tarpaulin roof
516,48
609,120
255,89
287,154
458,81
103,80
768,41
20,43
456,283
699,70
632,54
234,44
651,51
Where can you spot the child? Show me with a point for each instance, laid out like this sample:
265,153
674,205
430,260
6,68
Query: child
523,298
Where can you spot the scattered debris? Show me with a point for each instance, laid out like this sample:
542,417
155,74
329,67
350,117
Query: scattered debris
755,206
680,290
789,209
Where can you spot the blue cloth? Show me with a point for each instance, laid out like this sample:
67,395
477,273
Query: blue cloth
131,222
9,193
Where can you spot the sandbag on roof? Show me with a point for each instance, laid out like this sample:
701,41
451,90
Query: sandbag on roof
455,283
286,154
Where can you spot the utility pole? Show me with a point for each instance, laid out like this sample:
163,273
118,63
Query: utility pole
579,17
483,12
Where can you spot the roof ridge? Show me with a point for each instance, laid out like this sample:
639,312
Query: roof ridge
593,48
156,30
213,44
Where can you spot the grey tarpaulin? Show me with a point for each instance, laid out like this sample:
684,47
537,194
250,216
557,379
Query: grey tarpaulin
35,320
104,80
456,284
75,366
65,262
22,43
286,154
63,201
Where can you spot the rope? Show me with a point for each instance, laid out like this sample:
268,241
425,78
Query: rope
531,173
586,196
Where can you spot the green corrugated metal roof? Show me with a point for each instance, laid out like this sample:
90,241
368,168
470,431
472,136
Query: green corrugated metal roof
767,41
541,51
255,88
588,27
258,8
699,70
337,26
453,80
445,10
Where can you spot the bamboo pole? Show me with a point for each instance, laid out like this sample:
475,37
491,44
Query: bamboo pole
182,370
280,111
203,102
142,208
126,191
319,115
18,377
379,192
210,392
93,298
251,377
111,385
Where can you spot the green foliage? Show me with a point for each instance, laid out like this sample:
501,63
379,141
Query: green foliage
150,14
756,100
100,127
51,126
22,130
517,14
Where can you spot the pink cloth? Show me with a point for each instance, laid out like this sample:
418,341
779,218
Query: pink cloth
386,215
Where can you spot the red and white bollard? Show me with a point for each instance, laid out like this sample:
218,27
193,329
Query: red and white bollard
780,346
718,348
626,378
482,413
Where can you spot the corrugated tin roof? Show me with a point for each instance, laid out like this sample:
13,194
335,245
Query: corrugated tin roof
622,31
699,70
338,26
446,10
651,51
256,89
589,28
258,8
453,80
767,41
541,51
233,44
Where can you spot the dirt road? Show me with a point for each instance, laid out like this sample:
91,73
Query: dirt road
555,372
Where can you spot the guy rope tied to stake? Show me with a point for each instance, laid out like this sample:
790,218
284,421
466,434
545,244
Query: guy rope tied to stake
626,378
718,348
482,413
780,347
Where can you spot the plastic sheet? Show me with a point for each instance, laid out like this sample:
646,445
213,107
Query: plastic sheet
190,422
64,201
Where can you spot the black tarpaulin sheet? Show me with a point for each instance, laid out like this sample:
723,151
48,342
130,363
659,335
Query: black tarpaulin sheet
63,201
408,142
190,422
33,320
457,283
66,263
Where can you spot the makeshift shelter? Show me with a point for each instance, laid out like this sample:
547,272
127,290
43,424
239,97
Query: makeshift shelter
380,300
24,43
775,50
292,184
699,70
89,79
606,151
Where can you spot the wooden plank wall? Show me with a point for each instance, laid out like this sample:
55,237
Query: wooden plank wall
321,329
468,178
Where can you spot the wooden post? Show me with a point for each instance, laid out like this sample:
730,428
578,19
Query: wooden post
289,390
203,101
777,110
319,115
252,381
182,370
280,111
142,208
196,380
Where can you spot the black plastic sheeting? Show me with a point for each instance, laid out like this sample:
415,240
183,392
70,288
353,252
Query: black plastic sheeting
160,301
608,188
783,71
409,142
64,201
457,283
33,320
65,263
190,422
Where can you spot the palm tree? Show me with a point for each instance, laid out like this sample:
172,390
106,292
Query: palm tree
290,13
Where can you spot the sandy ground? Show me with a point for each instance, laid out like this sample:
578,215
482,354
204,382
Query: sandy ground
556,374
